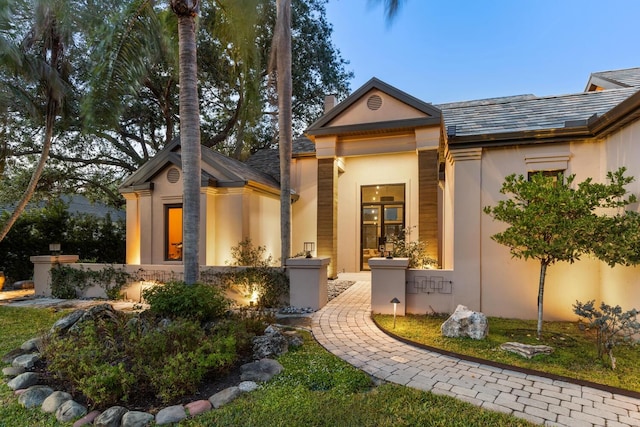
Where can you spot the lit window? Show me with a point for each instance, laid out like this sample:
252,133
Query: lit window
173,232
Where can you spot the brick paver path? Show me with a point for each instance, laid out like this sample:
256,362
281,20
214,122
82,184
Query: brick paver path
344,327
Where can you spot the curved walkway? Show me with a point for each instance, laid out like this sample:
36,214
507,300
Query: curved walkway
344,327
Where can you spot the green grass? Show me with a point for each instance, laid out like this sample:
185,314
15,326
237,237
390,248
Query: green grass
574,356
315,389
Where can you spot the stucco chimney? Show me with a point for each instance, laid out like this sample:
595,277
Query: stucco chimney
329,103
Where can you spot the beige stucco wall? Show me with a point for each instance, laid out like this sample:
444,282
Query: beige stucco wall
399,168
227,215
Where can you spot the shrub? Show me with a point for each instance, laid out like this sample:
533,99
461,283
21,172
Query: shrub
245,254
109,362
271,284
414,250
612,326
176,299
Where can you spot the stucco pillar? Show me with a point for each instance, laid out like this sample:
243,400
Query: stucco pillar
42,265
467,208
145,221
132,228
328,213
388,281
308,282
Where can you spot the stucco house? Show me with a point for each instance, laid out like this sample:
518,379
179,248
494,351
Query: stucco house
382,160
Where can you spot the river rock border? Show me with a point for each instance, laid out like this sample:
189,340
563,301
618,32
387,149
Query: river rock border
31,394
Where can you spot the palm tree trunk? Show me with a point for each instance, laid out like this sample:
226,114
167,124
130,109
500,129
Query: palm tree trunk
283,32
52,107
543,273
190,143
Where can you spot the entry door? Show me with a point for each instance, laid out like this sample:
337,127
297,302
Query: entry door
382,215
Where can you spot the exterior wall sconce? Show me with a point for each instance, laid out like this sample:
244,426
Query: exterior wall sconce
54,248
308,248
395,302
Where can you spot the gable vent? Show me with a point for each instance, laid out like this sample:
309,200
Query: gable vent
374,102
173,175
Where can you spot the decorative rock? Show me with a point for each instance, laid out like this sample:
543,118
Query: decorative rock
12,371
171,414
23,284
111,417
225,396
23,381
34,396
66,322
294,339
465,323
100,311
69,411
262,370
198,407
31,345
87,419
526,350
26,361
136,419
272,344
54,401
248,386
8,358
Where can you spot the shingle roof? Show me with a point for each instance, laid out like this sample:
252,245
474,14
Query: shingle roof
629,77
529,113
268,160
223,170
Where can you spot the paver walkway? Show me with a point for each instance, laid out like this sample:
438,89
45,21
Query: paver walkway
344,327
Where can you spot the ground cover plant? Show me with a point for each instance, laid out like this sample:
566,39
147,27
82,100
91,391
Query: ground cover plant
575,353
315,389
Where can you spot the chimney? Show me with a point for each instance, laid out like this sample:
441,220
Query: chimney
329,103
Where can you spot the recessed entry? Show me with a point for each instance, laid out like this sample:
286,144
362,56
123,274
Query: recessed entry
173,175
374,102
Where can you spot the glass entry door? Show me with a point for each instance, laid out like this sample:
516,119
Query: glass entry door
382,215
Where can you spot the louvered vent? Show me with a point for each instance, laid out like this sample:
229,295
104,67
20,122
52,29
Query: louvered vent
173,175
374,102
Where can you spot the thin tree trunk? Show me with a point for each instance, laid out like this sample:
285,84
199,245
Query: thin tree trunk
190,143
283,32
543,273
52,107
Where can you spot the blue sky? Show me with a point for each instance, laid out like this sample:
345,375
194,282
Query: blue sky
456,50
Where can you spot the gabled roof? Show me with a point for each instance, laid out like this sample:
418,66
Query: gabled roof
432,115
218,170
614,79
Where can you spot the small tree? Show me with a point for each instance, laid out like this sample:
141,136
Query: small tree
612,326
550,220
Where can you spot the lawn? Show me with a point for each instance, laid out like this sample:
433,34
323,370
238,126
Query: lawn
574,356
315,389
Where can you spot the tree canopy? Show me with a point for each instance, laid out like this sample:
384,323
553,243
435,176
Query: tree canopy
550,220
113,129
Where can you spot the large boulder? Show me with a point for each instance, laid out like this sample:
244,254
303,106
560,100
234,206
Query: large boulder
34,396
54,401
23,381
272,344
465,323
260,371
225,396
69,411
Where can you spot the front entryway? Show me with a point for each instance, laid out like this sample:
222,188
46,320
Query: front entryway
382,215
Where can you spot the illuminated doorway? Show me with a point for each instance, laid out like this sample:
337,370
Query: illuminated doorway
173,233
382,215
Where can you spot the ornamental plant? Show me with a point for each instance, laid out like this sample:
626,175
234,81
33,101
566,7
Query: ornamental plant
613,327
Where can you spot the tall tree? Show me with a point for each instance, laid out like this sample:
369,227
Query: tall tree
282,51
187,11
550,220
41,70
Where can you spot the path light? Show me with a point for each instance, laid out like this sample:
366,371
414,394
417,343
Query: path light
395,303
308,248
